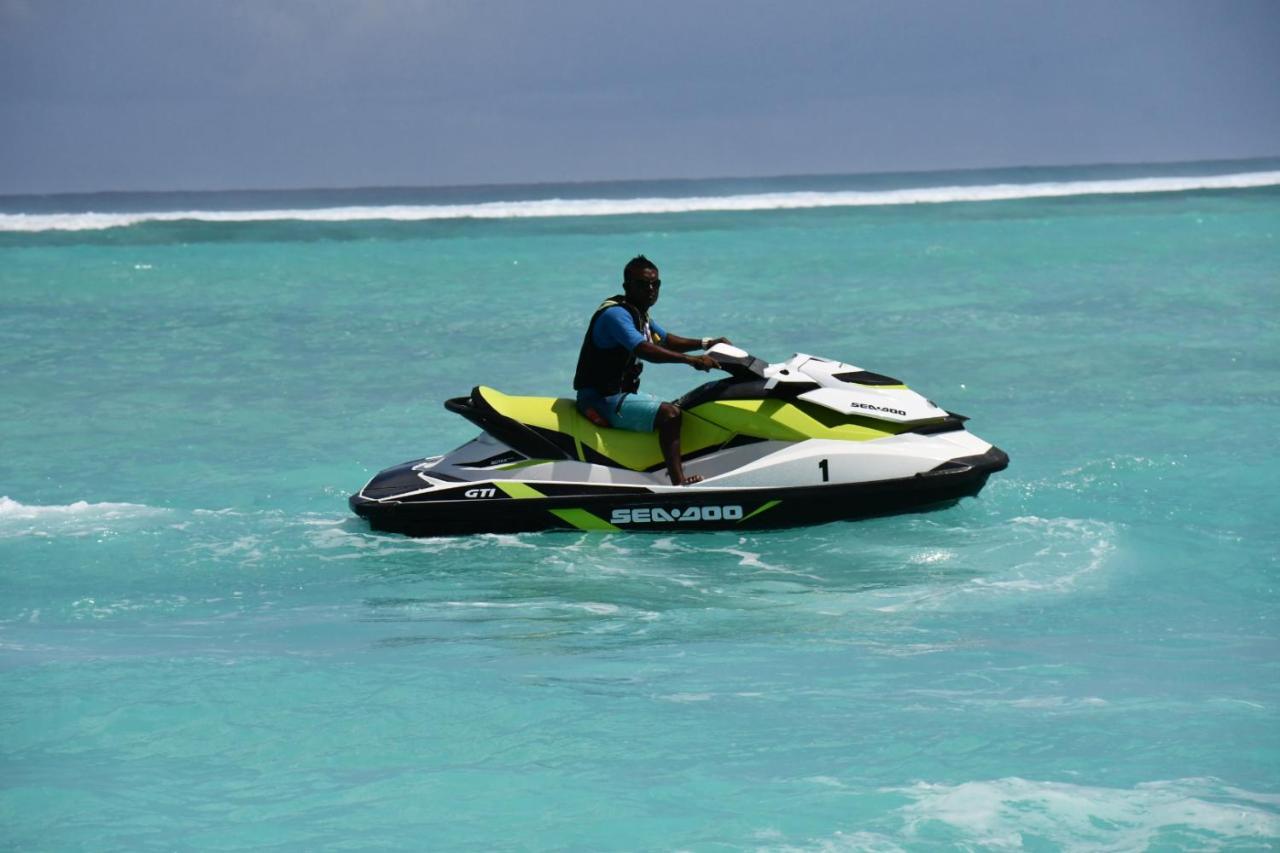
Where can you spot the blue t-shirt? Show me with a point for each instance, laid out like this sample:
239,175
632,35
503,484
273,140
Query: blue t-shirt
615,328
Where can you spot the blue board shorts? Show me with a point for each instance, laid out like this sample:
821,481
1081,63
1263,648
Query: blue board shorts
630,411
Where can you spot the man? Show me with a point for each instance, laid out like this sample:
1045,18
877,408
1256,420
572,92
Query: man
608,375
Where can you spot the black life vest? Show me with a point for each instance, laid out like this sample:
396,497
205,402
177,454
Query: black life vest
615,369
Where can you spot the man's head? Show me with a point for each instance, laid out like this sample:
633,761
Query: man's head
640,282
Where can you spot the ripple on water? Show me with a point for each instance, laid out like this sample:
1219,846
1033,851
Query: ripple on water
647,588
868,582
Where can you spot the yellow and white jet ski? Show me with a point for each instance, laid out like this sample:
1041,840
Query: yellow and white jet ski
804,441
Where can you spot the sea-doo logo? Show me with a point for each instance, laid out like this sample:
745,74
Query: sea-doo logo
480,493
650,515
879,408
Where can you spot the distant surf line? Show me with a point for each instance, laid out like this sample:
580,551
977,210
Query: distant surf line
558,207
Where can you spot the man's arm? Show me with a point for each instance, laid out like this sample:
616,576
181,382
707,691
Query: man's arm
615,328
652,352
679,344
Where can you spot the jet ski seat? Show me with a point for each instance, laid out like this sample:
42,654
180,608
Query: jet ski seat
553,428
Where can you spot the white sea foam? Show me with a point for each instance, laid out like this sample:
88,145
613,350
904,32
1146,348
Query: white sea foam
998,814
595,607
1013,813
687,697
347,539
243,549
76,519
553,207
985,702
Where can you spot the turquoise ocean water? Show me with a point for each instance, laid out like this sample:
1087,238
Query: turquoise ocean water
201,649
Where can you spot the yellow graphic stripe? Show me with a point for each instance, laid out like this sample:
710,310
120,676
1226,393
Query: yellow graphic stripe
583,520
522,464
579,518
516,489
793,420
762,508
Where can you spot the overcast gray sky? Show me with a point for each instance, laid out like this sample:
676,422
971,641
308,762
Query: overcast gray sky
167,94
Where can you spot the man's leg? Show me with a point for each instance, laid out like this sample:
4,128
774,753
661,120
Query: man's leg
667,423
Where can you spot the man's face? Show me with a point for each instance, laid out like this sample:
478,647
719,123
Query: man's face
643,289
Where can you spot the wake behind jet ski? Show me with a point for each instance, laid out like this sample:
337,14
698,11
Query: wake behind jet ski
804,441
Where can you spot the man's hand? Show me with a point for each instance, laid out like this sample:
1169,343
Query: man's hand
708,343
702,362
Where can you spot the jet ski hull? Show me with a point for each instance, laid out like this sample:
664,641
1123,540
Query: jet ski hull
518,506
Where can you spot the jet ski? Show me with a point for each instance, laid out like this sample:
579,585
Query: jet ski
803,441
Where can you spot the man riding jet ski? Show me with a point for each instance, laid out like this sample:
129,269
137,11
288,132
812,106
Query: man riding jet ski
608,376
802,441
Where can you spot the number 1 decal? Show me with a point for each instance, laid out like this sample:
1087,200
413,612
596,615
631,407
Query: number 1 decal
826,475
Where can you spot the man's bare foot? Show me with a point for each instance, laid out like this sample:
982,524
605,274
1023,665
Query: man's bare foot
690,480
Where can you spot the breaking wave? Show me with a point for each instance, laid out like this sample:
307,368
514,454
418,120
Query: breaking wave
1010,813
1017,814
76,519
557,207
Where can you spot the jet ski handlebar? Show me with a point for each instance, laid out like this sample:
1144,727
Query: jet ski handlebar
738,363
